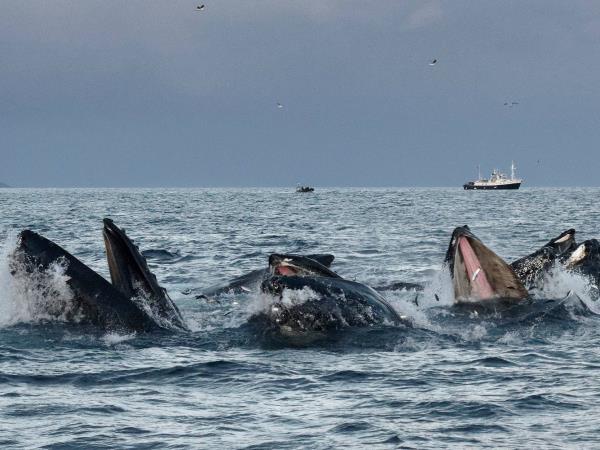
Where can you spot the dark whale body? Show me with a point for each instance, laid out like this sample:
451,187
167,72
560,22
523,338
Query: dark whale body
131,275
312,301
532,268
97,302
250,282
563,252
133,302
585,260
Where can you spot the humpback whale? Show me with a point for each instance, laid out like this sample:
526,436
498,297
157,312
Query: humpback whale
477,273
324,301
532,268
130,274
134,302
585,260
307,299
582,259
250,282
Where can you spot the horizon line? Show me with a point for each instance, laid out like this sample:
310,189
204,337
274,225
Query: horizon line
10,187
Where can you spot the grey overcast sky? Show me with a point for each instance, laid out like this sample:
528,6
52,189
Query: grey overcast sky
155,93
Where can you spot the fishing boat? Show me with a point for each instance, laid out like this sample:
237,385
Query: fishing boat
497,180
305,189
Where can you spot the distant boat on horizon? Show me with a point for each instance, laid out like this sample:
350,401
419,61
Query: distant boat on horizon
305,189
496,181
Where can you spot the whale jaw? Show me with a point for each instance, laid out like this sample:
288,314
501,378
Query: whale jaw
478,274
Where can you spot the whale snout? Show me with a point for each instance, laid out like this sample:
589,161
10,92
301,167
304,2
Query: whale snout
477,272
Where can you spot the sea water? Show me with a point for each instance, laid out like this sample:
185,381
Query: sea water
454,380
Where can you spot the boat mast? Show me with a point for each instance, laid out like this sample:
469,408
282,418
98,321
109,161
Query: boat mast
512,170
479,172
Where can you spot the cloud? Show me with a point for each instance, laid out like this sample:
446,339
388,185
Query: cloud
425,15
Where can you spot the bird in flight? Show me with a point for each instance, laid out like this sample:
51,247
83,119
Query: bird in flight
200,7
279,105
433,62
511,104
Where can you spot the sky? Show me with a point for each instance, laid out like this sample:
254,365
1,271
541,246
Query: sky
144,93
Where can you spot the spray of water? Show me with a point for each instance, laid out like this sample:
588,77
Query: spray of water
35,295
428,309
439,291
114,339
559,282
415,305
262,302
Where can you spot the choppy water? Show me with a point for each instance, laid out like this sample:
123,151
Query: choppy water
454,380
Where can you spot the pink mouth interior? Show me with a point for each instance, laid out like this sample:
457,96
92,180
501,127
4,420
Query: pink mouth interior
480,286
285,271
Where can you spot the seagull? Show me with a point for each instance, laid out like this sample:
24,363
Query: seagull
279,105
200,7
511,104
433,63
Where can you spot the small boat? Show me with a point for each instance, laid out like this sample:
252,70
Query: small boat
305,189
496,181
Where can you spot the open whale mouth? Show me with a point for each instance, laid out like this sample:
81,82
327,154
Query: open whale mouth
577,257
477,272
299,266
128,269
287,270
131,275
471,266
564,242
587,253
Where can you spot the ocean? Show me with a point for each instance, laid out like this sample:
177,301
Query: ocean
454,380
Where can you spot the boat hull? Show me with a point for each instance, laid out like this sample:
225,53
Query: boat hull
491,187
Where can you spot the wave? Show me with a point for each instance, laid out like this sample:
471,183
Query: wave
218,370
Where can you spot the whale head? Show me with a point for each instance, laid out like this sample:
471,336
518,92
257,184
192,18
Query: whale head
299,266
477,273
130,274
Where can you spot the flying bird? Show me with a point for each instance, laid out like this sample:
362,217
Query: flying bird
279,105
200,7
433,62
510,104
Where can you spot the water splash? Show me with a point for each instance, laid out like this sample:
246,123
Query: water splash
439,291
559,282
293,297
35,295
113,339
